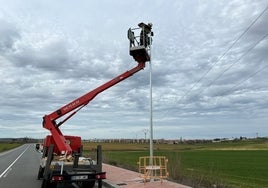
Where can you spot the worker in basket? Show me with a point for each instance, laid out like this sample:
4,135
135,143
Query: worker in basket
145,31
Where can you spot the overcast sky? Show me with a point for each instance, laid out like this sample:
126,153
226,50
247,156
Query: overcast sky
52,52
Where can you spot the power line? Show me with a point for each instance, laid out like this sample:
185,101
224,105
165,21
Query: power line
204,75
250,76
241,57
251,48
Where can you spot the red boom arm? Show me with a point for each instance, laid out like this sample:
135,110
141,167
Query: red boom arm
49,121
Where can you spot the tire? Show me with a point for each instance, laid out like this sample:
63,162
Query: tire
48,184
88,184
100,183
40,173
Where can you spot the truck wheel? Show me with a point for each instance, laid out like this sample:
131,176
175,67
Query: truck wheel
40,173
88,184
48,184
100,183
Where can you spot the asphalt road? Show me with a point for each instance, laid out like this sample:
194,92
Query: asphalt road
19,168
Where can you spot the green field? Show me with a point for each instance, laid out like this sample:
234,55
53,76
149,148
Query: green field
222,165
8,146
226,164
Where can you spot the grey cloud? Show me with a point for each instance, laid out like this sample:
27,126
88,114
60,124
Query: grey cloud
50,59
8,36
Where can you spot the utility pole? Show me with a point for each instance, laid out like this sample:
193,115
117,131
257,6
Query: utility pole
145,133
151,107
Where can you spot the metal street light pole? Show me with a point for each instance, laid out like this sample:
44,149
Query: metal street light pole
151,106
141,51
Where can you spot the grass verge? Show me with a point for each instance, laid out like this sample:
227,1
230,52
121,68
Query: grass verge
8,146
220,165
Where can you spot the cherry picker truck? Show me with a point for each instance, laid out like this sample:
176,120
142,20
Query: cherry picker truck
62,159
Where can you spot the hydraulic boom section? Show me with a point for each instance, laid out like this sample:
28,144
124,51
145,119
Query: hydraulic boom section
139,49
49,121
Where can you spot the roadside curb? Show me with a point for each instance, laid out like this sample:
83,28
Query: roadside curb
107,184
118,178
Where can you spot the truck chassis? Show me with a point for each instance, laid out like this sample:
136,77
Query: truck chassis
54,171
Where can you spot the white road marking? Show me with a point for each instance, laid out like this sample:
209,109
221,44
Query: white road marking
9,168
5,175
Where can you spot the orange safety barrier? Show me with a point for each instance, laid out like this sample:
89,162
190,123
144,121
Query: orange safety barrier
153,167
